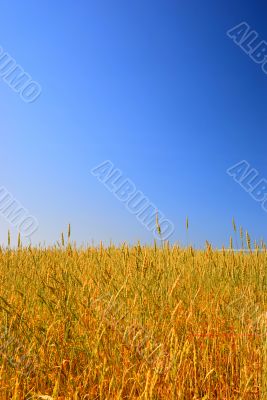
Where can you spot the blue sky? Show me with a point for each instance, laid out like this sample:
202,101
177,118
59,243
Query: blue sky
156,87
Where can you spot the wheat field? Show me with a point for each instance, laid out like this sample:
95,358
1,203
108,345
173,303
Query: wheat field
121,322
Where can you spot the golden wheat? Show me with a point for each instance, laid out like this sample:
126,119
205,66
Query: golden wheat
132,322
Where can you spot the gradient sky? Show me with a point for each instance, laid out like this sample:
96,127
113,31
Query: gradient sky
156,87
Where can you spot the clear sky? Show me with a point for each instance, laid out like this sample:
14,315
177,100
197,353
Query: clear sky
156,87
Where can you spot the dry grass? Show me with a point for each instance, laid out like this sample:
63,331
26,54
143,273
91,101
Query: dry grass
132,323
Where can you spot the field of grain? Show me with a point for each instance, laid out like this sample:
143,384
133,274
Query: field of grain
159,322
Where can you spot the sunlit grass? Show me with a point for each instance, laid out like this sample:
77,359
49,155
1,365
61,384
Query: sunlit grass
132,322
